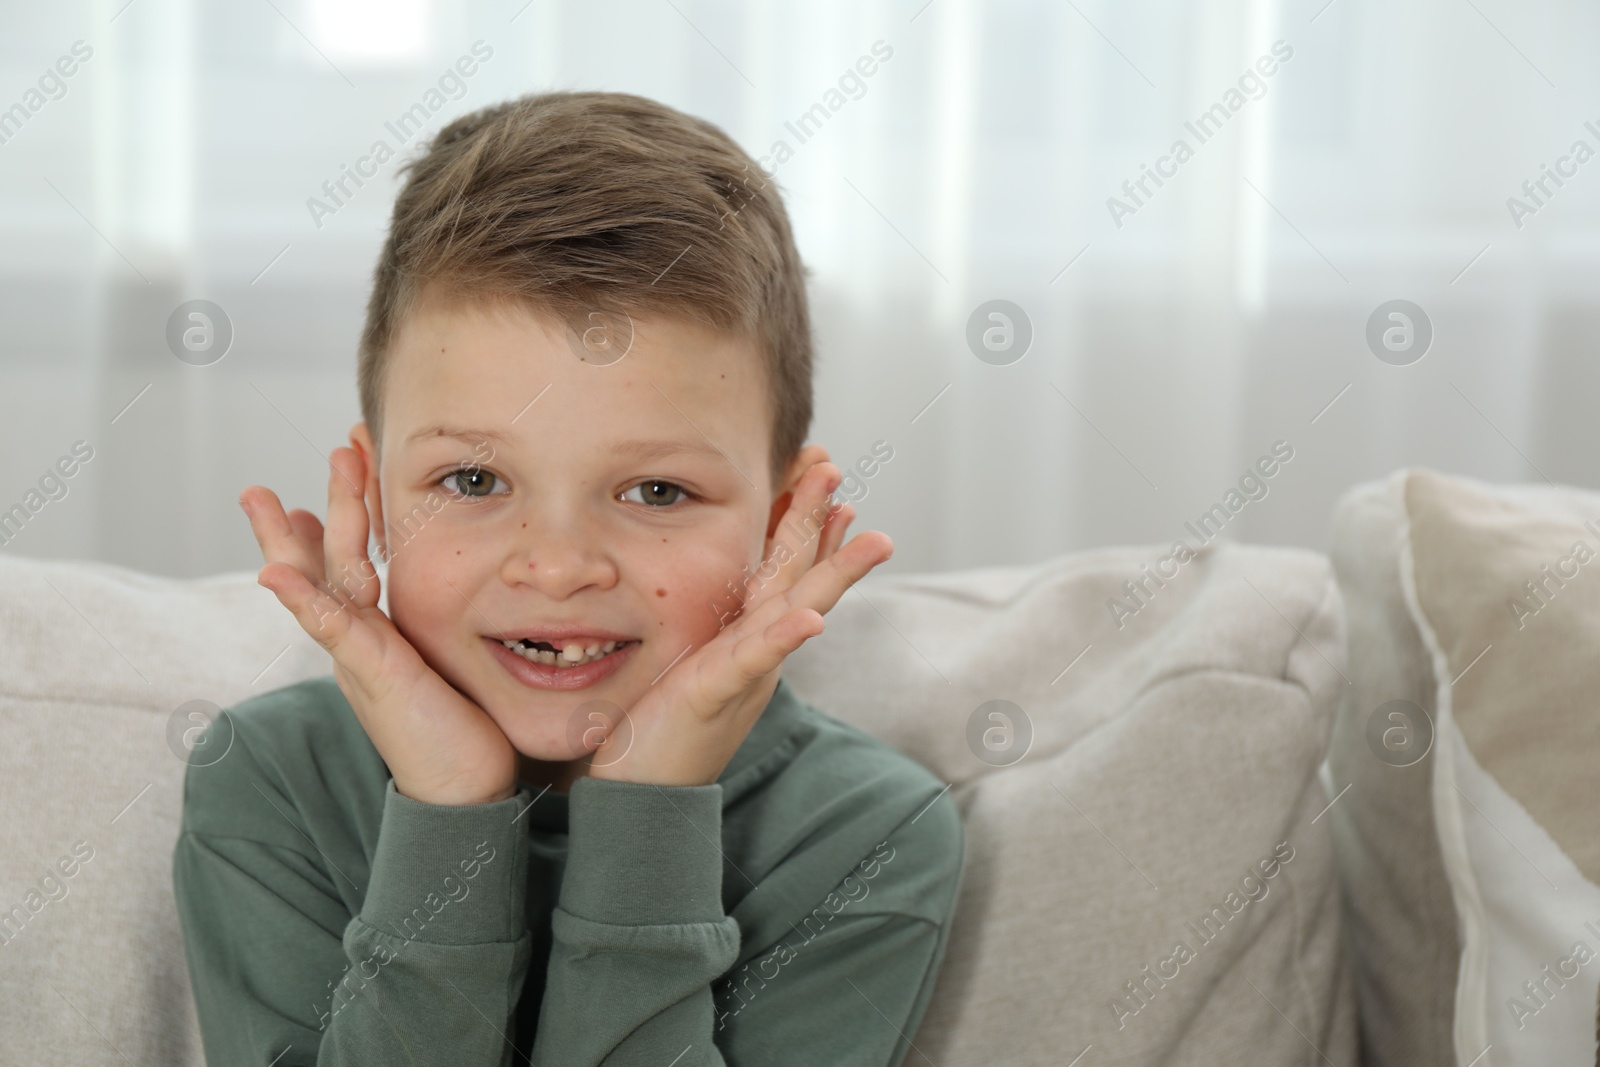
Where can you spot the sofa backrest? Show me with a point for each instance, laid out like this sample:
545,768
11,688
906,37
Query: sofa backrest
1133,741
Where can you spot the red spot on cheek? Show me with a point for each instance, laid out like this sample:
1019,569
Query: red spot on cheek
661,592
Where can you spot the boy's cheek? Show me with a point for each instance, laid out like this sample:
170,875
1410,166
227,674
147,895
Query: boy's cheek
698,588
686,586
698,603
421,601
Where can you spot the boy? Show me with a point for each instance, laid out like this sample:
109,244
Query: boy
557,805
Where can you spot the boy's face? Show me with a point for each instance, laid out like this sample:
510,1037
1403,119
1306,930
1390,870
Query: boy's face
618,500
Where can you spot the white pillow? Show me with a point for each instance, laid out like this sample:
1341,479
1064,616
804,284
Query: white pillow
1469,847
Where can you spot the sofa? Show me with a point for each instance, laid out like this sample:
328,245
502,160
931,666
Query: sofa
1223,803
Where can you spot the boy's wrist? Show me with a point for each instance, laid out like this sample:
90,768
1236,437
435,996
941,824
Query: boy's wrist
449,874
623,771
455,797
640,854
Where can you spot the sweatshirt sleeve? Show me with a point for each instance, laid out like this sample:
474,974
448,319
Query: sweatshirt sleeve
639,932
849,983
640,940
428,971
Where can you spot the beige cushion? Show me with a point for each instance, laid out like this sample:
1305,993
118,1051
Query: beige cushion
1532,656
1471,869
94,660
1169,760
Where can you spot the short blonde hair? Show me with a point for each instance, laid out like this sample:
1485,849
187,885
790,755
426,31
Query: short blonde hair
575,201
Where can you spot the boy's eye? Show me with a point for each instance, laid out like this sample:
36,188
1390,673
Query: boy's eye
470,482
656,493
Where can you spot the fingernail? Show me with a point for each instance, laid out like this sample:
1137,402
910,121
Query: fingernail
244,506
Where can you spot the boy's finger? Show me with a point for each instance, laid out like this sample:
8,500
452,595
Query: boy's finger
821,587
833,534
275,532
760,651
327,619
824,585
808,510
357,646
345,539
308,528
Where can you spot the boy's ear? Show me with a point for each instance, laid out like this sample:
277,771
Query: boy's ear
803,461
361,441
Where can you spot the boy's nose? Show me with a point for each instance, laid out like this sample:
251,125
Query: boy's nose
560,566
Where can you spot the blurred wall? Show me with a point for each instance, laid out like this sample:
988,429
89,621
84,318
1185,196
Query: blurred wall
1178,330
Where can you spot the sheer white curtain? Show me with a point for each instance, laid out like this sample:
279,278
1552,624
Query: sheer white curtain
1179,330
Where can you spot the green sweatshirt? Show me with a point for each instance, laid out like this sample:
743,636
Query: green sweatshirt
794,912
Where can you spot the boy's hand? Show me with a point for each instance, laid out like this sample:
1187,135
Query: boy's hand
688,726
440,747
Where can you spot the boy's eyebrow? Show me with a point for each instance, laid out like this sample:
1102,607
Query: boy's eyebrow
457,432
642,449
637,449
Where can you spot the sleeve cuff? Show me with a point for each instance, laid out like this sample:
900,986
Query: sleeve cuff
449,874
643,855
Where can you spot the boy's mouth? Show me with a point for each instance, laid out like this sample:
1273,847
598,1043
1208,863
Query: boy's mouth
571,652
564,660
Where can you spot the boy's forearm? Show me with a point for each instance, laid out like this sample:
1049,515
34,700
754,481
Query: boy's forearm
642,944
440,950
432,966
430,1004
640,932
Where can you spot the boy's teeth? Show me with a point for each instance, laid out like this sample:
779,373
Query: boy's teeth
572,654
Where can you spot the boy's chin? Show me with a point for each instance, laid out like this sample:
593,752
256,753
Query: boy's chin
542,737
532,761
553,730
